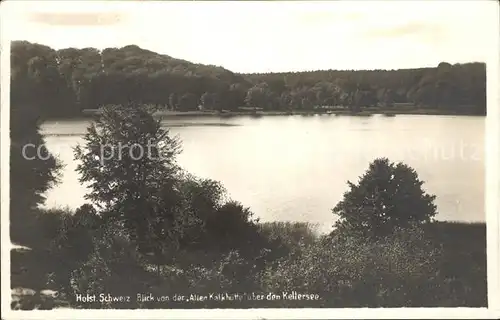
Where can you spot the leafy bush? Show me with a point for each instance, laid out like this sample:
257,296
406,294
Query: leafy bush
286,239
205,273
71,241
290,233
348,272
200,199
232,226
113,266
463,265
215,221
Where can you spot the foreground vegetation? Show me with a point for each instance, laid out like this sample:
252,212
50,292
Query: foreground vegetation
151,229
64,82
441,265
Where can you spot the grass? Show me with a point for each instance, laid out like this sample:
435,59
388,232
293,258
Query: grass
442,265
464,260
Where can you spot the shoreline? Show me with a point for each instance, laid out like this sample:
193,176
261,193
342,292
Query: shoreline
258,114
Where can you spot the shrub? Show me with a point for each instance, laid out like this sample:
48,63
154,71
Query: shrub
349,272
287,239
113,266
72,244
221,272
200,199
232,226
41,227
215,222
74,234
290,233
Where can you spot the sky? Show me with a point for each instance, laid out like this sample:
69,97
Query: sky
270,35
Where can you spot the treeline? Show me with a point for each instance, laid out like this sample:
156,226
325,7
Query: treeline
64,82
459,87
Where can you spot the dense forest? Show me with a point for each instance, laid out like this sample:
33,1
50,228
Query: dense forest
64,82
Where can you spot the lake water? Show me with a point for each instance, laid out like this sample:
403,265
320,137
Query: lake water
295,168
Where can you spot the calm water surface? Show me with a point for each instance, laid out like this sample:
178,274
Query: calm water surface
296,167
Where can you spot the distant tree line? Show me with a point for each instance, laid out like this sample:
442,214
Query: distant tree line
64,82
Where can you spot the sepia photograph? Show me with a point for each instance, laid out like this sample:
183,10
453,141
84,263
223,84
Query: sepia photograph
205,156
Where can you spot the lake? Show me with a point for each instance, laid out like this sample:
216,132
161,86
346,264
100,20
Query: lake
295,168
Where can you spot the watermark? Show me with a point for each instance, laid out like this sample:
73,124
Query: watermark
40,152
424,150
460,150
420,151
151,150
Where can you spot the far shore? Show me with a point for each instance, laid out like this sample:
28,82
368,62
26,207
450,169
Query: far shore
165,114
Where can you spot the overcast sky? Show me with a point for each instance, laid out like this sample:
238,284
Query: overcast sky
269,36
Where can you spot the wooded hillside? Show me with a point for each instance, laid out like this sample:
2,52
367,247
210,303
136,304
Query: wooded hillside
64,82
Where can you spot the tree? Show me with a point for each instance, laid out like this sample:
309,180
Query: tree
257,96
388,195
37,81
70,79
129,162
33,169
188,102
209,101
172,101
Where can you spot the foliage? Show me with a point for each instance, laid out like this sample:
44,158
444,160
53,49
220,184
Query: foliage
258,96
458,88
38,83
73,238
438,264
388,195
129,161
210,101
392,271
108,269
463,263
214,220
33,170
231,224
287,239
162,208
69,80
290,233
